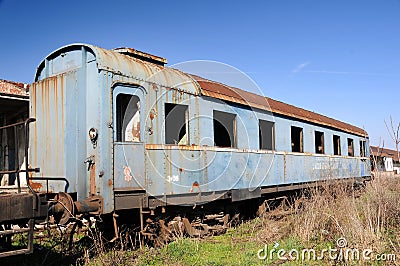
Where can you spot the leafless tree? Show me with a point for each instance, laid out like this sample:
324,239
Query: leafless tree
375,155
394,134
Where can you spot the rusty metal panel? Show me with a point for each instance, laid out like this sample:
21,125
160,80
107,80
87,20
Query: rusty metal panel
120,64
124,201
141,55
16,206
48,133
58,133
92,180
100,116
144,72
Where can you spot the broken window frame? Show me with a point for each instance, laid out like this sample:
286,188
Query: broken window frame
319,141
122,126
336,145
168,128
299,139
270,134
363,150
350,147
232,137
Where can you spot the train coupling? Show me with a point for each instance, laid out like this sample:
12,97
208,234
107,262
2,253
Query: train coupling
64,208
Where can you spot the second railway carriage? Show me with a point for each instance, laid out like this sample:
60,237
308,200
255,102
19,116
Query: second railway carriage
116,129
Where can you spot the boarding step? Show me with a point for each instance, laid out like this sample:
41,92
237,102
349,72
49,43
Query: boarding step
6,240
13,189
15,252
14,231
16,206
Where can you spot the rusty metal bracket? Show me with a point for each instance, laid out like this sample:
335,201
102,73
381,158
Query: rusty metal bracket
92,205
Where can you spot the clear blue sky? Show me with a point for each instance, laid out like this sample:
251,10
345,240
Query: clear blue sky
339,58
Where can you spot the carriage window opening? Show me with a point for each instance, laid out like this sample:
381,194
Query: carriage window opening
128,118
176,126
319,142
266,135
336,145
363,152
224,129
350,147
297,139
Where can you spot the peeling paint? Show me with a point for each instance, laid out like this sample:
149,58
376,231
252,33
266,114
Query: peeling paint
127,173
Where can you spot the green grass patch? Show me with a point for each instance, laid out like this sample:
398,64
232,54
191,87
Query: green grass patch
219,250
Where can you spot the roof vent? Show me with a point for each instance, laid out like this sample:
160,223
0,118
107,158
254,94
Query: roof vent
141,55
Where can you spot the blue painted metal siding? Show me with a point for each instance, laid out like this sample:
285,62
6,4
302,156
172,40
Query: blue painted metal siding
216,169
74,92
56,105
61,143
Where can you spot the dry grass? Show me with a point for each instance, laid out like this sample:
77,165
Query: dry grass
366,219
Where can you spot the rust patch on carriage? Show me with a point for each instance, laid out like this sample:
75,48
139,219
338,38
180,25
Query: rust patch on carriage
153,114
35,186
127,173
93,179
195,185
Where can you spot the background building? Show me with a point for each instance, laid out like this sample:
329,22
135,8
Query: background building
384,160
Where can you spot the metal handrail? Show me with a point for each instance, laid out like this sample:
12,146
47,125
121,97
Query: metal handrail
27,169
47,179
15,124
17,169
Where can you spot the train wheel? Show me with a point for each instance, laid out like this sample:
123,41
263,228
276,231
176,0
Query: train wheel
64,208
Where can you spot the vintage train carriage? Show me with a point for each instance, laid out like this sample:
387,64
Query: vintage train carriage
113,130
116,129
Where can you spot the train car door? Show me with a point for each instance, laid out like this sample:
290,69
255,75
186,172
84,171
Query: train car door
128,103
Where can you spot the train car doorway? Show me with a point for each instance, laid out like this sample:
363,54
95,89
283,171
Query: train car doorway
129,173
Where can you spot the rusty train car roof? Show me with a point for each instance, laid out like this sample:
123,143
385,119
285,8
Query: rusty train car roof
149,68
133,64
232,94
